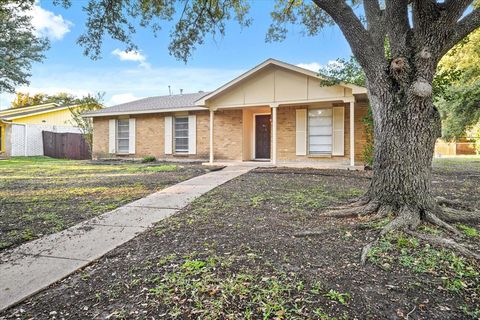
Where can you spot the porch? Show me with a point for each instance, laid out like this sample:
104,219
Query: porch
319,134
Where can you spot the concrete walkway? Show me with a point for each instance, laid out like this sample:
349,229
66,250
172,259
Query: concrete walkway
37,264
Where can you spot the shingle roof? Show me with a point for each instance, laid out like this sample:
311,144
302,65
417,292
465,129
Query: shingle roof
30,112
153,104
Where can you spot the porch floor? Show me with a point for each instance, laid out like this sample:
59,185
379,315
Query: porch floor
339,164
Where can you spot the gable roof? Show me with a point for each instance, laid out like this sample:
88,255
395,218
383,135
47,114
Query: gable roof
269,62
15,113
170,103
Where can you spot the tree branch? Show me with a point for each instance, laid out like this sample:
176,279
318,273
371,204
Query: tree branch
357,36
375,21
396,15
463,28
455,8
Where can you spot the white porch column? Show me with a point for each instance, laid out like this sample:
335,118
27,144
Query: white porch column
274,133
211,136
352,133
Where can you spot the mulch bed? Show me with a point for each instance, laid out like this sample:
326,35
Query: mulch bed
186,266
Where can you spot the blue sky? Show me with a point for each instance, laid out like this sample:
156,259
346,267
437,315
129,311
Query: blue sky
124,77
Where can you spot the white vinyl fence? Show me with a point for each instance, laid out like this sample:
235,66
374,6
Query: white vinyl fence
26,139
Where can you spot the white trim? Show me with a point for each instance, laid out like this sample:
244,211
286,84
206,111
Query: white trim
301,147
211,136
168,135
112,136
338,134
105,114
273,138
268,62
254,153
131,136
352,134
192,134
290,103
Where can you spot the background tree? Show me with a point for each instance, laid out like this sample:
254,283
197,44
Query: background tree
457,88
19,46
399,82
82,105
26,99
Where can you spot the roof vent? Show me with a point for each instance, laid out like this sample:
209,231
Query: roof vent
181,91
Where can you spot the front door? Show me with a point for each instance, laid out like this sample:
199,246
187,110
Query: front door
262,136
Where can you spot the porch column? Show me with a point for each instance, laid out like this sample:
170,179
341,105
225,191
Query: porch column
274,132
211,136
352,133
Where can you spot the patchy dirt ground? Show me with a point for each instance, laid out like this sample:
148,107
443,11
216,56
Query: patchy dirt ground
235,253
40,195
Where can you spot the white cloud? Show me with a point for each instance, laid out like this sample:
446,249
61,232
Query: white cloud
121,84
48,24
121,98
132,56
313,66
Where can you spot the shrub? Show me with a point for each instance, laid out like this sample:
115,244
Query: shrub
148,159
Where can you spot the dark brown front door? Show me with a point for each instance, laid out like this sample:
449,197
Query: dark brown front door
262,137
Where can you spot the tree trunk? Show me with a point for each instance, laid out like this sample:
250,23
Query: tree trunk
406,128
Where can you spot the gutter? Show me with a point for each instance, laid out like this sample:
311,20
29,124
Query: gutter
120,113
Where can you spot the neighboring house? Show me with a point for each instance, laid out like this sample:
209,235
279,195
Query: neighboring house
21,128
275,112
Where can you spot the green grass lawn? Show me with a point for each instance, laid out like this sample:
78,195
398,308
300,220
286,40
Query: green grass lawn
41,195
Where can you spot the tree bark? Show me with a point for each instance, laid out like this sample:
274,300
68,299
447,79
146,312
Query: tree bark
406,128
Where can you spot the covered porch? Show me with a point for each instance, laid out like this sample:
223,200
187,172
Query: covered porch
278,113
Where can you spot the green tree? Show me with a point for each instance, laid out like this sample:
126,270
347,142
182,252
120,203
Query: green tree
26,99
458,88
82,105
399,82
19,46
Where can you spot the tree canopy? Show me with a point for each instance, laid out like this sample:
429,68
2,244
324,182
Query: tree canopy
458,87
19,46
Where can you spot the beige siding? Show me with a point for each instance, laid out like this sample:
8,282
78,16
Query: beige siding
275,84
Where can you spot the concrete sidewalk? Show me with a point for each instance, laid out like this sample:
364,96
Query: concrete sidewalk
37,264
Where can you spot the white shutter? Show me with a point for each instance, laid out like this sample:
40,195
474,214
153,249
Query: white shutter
168,135
131,135
112,135
338,147
192,134
301,132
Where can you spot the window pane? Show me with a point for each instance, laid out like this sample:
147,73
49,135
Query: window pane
123,135
320,131
181,134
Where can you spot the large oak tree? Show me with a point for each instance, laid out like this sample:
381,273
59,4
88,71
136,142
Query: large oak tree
399,83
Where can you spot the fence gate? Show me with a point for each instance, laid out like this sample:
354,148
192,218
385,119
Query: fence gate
65,145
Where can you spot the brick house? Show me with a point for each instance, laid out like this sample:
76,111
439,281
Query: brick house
275,112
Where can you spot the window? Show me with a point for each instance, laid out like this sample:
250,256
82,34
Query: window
181,134
320,131
122,136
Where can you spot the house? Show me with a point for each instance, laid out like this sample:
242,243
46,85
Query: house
21,128
275,112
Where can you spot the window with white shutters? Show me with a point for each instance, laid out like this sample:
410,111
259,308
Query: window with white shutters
181,134
123,136
320,131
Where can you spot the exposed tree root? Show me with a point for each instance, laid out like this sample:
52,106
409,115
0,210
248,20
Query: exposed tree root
445,243
352,211
454,215
407,219
433,219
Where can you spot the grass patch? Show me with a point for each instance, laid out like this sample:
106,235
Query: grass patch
456,273
214,287
468,231
41,195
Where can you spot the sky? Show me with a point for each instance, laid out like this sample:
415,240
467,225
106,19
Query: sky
126,76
